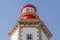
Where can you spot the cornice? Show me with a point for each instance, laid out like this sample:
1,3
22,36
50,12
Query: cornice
31,23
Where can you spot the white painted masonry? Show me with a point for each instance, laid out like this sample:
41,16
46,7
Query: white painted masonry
43,36
32,31
15,35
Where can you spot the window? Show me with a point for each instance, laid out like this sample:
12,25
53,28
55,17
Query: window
27,9
29,36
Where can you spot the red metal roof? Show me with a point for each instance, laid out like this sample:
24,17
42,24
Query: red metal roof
29,17
28,5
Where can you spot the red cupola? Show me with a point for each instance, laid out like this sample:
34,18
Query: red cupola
28,12
28,6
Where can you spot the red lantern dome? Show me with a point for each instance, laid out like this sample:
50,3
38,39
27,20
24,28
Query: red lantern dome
28,5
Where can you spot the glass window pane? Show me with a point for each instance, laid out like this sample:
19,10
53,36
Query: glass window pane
29,36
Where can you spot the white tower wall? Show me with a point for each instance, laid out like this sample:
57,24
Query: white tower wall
43,36
32,31
15,36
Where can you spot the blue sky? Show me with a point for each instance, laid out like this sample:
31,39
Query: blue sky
48,11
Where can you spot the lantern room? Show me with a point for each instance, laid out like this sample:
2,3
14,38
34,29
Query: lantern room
28,8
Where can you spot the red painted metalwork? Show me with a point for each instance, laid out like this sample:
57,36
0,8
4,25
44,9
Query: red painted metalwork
29,17
28,5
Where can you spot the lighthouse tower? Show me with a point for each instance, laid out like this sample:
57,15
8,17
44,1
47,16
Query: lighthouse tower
29,26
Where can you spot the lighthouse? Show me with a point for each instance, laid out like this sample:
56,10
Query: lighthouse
29,26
